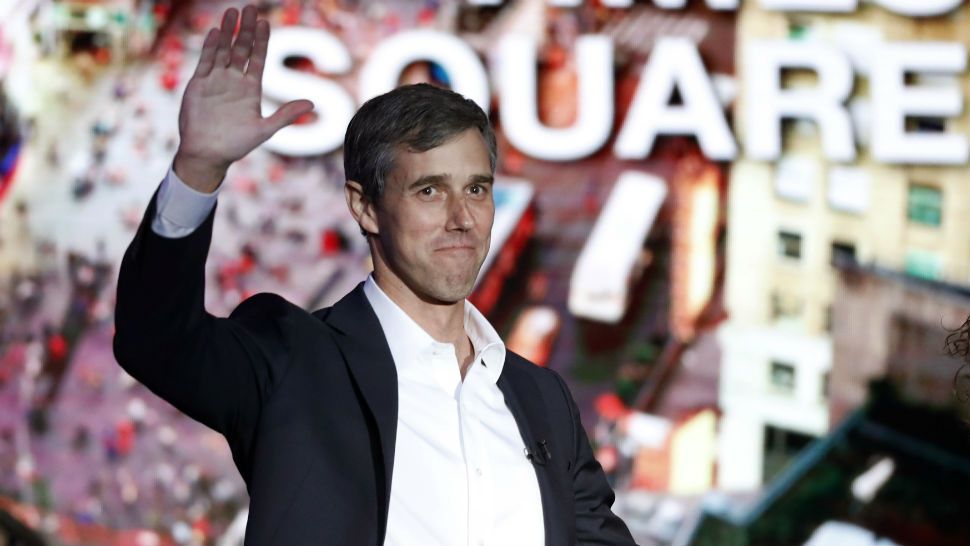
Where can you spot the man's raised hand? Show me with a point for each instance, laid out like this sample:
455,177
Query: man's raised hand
220,120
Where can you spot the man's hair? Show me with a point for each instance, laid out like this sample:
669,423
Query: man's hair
414,118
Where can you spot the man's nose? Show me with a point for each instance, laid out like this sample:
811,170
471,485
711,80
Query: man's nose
460,214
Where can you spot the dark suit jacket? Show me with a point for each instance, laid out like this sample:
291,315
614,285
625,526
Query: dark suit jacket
308,402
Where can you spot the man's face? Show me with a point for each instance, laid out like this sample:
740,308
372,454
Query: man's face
434,218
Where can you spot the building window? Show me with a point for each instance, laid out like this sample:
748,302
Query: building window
925,204
826,381
799,29
829,318
848,189
794,177
925,125
789,244
843,253
785,306
925,265
780,447
783,377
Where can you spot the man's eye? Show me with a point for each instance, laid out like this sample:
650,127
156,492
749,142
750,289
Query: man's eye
427,191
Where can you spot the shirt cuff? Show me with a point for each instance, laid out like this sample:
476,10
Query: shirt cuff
180,209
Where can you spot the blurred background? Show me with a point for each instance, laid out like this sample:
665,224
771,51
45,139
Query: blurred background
756,339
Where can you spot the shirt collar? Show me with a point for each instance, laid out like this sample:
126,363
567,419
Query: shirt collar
489,348
407,340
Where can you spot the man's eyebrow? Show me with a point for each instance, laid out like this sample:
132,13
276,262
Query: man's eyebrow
482,179
426,180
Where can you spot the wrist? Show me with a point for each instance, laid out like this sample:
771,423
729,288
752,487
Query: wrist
200,174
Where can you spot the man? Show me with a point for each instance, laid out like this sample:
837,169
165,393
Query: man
396,416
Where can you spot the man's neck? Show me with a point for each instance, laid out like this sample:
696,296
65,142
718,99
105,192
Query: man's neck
444,322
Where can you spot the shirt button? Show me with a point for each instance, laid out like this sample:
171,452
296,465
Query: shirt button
478,471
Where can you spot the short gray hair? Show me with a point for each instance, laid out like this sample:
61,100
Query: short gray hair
415,118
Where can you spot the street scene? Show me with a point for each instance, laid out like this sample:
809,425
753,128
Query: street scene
752,344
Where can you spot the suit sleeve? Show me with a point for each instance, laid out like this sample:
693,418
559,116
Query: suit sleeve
596,524
219,371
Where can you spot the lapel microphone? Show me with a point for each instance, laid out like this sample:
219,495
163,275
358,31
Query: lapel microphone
541,455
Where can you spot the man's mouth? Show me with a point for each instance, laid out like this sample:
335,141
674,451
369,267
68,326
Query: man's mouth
455,248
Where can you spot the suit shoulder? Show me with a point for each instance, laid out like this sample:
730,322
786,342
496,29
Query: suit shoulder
266,303
545,377
322,314
519,362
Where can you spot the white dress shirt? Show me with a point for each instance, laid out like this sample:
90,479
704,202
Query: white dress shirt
460,472
180,209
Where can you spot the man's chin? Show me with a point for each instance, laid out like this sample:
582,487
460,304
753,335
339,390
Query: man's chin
452,291
452,295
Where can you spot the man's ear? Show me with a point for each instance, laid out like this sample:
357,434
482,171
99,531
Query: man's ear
361,208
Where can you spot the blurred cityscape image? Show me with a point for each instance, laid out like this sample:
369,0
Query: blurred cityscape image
765,344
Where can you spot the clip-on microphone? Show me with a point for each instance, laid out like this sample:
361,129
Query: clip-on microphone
542,454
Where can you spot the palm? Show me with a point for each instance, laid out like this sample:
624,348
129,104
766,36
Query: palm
220,116
220,119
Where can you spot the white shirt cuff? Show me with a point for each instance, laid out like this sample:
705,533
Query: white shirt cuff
180,210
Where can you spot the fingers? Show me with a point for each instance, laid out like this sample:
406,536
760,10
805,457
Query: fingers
244,41
208,57
258,58
225,37
286,114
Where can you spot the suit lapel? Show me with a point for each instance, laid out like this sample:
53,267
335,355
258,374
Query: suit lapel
369,359
363,345
524,400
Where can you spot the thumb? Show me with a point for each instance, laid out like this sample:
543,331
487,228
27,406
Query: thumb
286,115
